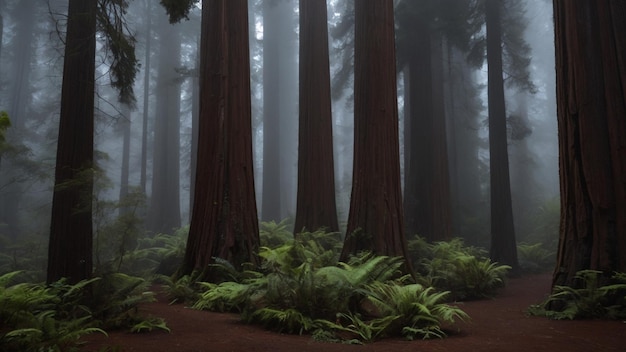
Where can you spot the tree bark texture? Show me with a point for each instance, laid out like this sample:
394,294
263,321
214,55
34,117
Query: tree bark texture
503,244
591,104
224,220
316,207
375,222
70,248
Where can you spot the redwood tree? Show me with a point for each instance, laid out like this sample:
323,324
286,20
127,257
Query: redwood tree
503,244
70,249
316,207
375,221
224,220
591,104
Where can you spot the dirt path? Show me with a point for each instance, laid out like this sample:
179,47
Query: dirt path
496,325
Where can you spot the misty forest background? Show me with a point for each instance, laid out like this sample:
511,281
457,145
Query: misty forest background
145,151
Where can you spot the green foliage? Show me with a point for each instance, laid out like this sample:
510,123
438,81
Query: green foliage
274,234
417,311
535,258
178,10
181,289
115,299
38,317
451,266
300,289
27,254
117,230
34,317
590,300
121,47
545,221
5,123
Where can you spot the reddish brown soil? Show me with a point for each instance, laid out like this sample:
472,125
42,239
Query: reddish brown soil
499,324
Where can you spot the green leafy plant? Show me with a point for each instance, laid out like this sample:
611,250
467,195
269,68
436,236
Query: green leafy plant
590,300
465,271
300,289
273,234
35,317
416,311
535,258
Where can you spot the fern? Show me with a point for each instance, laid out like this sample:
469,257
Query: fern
534,257
419,311
282,320
591,300
150,324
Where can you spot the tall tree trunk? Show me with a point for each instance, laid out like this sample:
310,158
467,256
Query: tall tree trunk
503,245
418,173
464,106
427,182
441,221
125,120
70,248
195,118
271,195
224,220
146,97
591,104
316,207
279,110
165,198
375,222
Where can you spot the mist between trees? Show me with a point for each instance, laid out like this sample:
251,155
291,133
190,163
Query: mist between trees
451,128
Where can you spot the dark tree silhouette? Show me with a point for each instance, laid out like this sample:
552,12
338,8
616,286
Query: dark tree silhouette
591,104
427,183
70,249
503,244
316,207
375,221
224,220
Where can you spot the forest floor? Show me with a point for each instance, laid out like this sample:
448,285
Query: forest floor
499,324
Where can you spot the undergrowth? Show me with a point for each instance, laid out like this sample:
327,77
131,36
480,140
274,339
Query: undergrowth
40,317
589,300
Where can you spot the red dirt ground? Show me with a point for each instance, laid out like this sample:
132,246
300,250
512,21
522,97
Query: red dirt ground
499,324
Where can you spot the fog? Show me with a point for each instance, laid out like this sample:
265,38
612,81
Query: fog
30,81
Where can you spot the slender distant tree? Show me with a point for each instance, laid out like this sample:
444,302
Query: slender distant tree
164,213
125,126
427,185
375,222
147,65
503,244
70,248
591,107
224,220
316,207
279,108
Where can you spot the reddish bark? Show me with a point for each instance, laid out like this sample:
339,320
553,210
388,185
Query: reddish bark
316,207
591,103
224,220
375,222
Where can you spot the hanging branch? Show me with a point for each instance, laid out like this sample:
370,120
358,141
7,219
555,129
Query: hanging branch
120,45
